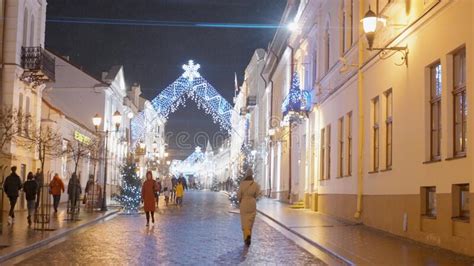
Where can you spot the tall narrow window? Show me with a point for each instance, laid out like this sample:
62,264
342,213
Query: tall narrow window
323,153
460,103
428,202
375,133
32,31
341,136
351,34
25,28
327,49
343,27
388,128
20,113
349,144
435,112
329,151
28,115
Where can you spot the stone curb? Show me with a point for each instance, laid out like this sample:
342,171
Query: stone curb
48,240
312,242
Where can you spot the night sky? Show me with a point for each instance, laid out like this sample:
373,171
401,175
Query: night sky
153,55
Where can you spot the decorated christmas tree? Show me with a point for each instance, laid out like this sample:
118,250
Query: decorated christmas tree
130,191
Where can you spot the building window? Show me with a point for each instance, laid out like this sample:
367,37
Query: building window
351,34
435,111
323,153
25,28
341,137
327,49
349,144
388,127
343,27
20,113
27,116
428,201
329,151
460,103
461,202
375,134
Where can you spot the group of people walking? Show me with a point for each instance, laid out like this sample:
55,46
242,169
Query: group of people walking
172,189
33,187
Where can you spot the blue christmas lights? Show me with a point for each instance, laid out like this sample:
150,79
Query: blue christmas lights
297,101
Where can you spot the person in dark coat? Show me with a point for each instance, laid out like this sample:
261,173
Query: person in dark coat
174,182
12,186
148,197
39,180
74,190
30,187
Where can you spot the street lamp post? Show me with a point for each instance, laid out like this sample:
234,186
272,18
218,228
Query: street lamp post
97,120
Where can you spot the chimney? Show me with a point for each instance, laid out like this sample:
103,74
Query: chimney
136,92
104,74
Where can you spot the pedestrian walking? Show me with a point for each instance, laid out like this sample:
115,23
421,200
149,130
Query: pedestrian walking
74,191
39,180
93,193
148,198
248,193
179,193
56,187
12,186
174,182
157,191
30,187
167,189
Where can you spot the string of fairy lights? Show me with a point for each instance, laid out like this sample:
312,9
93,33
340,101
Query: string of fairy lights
189,85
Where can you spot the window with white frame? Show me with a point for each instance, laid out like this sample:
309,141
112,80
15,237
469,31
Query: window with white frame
435,111
460,103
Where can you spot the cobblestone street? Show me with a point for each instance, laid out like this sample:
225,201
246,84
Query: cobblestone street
202,232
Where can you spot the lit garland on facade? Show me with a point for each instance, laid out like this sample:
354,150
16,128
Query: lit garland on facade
297,101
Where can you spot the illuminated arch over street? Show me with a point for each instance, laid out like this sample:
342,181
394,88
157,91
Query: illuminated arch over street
189,85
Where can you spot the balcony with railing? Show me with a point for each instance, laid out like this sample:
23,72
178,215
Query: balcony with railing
39,66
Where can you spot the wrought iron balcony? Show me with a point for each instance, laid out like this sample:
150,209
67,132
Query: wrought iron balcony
39,66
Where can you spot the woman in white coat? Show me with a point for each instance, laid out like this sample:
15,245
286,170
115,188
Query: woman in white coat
248,193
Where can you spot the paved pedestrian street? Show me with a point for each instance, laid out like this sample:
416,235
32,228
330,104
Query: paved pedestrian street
202,232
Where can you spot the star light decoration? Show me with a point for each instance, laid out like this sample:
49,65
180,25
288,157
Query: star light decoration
191,71
189,85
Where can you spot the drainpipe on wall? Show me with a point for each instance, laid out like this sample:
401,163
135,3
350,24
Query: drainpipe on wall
360,94
2,47
292,70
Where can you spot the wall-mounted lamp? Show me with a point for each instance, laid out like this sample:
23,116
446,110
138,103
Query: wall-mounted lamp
370,23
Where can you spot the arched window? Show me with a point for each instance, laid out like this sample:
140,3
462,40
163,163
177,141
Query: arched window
351,17
343,27
20,112
25,28
327,48
315,66
32,31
